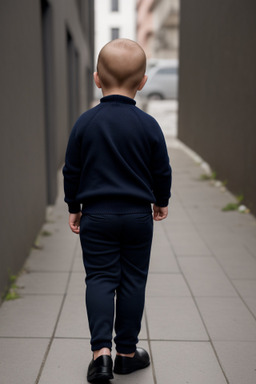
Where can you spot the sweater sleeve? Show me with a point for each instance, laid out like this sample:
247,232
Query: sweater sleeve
72,172
161,172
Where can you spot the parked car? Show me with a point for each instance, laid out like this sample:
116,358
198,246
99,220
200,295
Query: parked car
162,81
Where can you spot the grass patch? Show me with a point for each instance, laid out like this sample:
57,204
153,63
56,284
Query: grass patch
11,293
205,176
233,206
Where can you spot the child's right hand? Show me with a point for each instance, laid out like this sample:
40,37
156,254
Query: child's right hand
159,213
74,222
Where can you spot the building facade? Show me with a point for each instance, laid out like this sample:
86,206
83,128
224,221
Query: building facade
158,27
114,19
217,89
45,74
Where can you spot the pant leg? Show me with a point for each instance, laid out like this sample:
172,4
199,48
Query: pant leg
136,242
100,242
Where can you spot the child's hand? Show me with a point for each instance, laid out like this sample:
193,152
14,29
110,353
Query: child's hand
160,213
74,222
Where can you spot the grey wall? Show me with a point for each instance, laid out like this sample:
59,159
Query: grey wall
34,131
217,91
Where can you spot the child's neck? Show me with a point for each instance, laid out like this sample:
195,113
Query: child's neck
119,91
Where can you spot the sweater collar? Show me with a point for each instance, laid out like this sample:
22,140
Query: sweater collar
117,99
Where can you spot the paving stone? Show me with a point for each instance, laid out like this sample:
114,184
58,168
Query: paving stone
238,360
227,319
206,277
246,288
73,321
166,285
30,316
186,362
238,263
68,361
174,318
43,261
77,283
42,283
20,360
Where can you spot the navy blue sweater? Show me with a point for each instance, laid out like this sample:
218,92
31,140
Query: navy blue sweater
116,160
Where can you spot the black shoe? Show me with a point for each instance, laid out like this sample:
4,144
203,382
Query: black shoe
100,370
124,365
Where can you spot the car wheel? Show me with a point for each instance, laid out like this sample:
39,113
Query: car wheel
155,96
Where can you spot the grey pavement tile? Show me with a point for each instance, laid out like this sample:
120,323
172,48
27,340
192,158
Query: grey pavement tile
238,361
224,242
43,261
238,264
78,265
163,262
73,319
186,362
68,361
251,303
30,316
50,283
162,257
166,285
20,360
188,244
206,277
246,288
77,283
227,319
174,318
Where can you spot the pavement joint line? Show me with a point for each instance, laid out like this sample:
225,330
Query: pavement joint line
195,302
150,349
58,318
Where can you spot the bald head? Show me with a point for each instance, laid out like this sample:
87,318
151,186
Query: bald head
121,63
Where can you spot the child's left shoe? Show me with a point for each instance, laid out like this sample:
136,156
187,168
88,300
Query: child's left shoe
100,370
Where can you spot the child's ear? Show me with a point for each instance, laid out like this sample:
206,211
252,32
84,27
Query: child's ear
96,79
142,83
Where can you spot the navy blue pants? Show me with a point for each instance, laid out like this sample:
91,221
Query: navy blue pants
116,254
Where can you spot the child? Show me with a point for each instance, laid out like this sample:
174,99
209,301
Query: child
116,167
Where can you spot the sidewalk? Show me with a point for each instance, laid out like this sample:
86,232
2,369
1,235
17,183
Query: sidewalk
200,316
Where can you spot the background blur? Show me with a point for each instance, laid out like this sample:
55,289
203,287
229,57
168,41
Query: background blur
201,63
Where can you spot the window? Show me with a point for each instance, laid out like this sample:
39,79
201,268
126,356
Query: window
114,5
114,33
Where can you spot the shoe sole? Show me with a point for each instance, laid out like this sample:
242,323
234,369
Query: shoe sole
100,377
127,371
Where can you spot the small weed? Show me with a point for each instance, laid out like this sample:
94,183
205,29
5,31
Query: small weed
46,233
12,293
205,176
230,207
234,206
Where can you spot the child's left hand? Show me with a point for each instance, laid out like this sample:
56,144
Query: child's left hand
74,222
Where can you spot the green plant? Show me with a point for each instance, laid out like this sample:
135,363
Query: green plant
46,233
233,206
205,176
11,292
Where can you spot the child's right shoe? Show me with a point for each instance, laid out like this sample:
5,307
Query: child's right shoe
125,365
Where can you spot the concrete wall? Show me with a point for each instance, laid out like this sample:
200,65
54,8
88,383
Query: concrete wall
35,111
217,91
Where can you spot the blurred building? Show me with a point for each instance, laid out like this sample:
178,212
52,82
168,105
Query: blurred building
114,19
158,27
217,91
47,52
